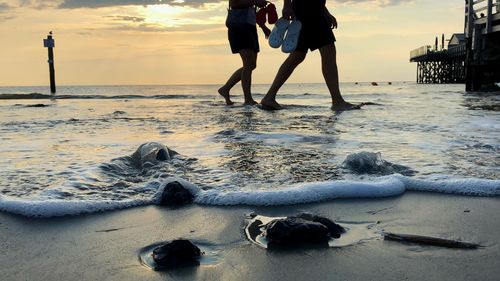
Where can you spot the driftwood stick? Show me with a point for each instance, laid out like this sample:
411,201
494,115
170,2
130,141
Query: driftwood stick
427,240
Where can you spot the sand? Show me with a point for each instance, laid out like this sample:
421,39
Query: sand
105,246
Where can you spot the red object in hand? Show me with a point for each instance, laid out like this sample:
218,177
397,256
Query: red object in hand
261,16
266,14
272,15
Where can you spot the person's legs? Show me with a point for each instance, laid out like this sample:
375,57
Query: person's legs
331,75
286,69
243,74
249,58
233,80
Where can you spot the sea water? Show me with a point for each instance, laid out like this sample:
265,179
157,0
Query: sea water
69,153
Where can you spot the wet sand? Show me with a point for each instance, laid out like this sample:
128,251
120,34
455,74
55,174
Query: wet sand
105,246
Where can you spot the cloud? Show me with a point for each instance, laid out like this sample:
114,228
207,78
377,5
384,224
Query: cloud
127,18
5,18
356,17
74,4
379,3
152,27
35,4
4,7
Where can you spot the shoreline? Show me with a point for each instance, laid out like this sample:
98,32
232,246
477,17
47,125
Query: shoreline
105,246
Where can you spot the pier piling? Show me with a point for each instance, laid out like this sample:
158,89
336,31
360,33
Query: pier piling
49,43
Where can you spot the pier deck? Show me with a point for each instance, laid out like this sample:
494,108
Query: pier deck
472,58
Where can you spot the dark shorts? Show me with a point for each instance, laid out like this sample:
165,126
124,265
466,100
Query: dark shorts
316,31
243,38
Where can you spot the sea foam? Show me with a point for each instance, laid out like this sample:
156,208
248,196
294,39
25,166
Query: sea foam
304,193
323,191
56,207
386,186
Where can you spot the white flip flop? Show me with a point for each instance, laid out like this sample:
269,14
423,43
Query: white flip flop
292,37
278,34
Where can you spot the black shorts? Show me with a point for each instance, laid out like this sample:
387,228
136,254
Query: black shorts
316,31
243,38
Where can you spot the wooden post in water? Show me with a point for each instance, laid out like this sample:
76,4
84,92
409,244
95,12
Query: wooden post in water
49,43
469,26
489,11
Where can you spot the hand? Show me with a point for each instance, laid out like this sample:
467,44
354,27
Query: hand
332,20
266,31
288,13
260,3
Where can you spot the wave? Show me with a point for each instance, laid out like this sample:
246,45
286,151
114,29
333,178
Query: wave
386,186
58,208
37,96
323,191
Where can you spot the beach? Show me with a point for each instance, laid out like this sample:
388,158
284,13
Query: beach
250,140
78,200
106,246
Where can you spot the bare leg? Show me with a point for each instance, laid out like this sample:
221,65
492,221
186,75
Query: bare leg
233,80
286,69
249,58
244,74
331,75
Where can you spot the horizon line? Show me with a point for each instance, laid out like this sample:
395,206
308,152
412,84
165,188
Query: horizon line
185,84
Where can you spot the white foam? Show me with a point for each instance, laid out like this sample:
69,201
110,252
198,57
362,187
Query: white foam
57,208
47,207
297,194
304,193
468,187
322,191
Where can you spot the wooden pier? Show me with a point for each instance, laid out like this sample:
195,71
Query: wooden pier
472,57
441,66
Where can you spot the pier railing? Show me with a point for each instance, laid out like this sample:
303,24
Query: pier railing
483,15
419,52
457,51
427,53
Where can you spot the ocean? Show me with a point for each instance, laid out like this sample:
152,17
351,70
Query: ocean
72,153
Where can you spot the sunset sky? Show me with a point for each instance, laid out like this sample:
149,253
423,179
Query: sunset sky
109,42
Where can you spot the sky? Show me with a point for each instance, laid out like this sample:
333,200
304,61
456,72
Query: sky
161,42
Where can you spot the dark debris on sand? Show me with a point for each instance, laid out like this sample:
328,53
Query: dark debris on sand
301,230
175,195
177,253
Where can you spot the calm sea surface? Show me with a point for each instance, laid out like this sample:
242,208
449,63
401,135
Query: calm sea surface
74,147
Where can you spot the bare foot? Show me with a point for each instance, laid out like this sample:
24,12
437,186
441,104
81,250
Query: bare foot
270,105
344,106
250,102
225,94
